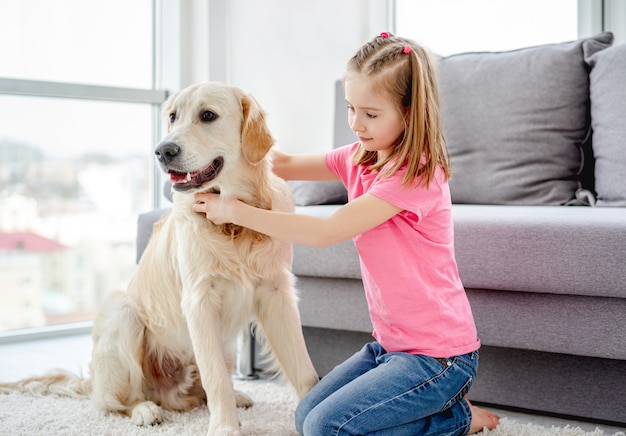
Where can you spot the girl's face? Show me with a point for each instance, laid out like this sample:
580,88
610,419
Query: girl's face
372,116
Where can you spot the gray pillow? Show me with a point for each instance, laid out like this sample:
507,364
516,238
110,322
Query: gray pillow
608,121
307,193
515,122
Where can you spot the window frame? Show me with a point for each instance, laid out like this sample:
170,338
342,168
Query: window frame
37,88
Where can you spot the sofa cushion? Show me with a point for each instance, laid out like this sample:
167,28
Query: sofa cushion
337,261
515,122
608,121
545,249
308,193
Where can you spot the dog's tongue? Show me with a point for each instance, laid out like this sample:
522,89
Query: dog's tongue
179,177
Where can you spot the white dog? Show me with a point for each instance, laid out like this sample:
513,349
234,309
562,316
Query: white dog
168,342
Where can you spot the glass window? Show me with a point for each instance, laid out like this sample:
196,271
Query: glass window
74,172
455,26
83,41
74,175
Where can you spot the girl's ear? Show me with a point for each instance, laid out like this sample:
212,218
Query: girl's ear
256,139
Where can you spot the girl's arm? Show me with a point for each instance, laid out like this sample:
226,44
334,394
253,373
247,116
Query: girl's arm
301,167
358,216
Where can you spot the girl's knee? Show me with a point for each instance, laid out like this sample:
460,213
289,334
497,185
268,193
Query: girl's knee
313,425
313,421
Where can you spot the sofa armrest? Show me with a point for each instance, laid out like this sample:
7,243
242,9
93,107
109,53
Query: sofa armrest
145,223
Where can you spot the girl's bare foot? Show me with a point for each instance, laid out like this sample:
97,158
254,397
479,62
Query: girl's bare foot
482,418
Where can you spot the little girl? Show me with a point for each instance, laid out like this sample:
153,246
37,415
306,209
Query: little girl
413,378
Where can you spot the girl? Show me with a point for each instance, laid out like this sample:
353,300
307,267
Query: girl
412,380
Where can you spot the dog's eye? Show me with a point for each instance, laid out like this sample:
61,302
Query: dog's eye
172,117
208,116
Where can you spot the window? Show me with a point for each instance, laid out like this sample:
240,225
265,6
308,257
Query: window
80,41
455,26
79,114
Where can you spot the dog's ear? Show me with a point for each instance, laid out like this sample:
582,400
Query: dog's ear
166,110
256,139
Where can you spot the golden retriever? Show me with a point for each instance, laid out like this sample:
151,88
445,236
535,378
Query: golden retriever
169,341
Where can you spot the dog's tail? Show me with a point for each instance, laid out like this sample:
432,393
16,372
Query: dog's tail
58,382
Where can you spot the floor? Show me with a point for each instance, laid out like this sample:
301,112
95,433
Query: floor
72,352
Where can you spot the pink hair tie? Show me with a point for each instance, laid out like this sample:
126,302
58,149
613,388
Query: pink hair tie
407,49
384,35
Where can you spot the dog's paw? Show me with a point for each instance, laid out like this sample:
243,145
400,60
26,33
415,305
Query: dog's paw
146,413
243,400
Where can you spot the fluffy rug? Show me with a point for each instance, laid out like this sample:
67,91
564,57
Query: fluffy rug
272,415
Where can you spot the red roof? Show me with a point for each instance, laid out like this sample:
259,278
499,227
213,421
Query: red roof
28,242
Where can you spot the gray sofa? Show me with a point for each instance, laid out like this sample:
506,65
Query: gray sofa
537,141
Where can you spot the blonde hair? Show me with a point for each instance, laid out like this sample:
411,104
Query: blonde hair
406,73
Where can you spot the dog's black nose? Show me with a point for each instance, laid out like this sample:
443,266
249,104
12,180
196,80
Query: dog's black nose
166,151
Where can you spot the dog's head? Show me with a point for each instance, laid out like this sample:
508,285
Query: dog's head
211,128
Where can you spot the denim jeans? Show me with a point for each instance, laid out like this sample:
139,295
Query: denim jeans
380,393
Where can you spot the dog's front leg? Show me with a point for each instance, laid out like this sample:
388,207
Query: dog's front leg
277,312
200,306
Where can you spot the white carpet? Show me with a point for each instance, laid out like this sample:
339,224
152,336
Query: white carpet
272,414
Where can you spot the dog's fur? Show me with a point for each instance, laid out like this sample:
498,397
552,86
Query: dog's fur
168,342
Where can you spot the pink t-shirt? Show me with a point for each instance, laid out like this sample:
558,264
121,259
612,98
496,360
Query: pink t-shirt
416,300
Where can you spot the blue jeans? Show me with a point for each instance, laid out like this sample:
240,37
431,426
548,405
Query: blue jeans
380,393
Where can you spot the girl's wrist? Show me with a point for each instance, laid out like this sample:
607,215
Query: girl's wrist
236,211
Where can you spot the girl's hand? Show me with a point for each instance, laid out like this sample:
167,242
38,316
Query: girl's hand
216,209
